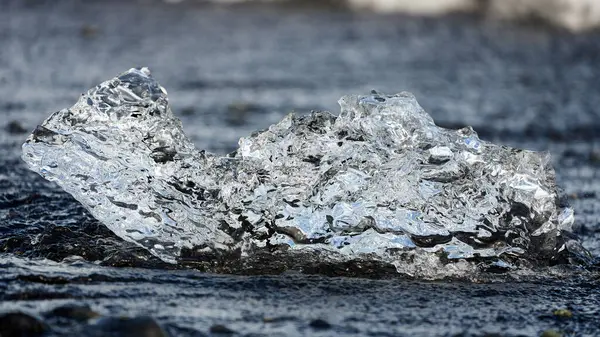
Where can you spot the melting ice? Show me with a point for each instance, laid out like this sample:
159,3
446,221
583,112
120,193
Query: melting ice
380,182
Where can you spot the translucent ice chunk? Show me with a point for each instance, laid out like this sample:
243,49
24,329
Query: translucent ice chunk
380,182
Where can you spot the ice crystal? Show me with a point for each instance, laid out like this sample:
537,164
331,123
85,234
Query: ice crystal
375,183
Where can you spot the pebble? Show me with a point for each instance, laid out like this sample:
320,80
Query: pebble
563,313
130,327
15,128
551,333
19,324
319,324
76,312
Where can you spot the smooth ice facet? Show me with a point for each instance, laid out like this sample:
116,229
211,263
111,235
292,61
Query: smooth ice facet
379,182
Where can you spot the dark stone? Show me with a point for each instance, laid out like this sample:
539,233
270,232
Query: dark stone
74,311
221,329
17,324
15,127
126,327
319,324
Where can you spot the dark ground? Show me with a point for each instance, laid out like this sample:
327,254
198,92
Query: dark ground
231,70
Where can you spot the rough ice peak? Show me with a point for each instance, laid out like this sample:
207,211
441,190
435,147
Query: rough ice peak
380,182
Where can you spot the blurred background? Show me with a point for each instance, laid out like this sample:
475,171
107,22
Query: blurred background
524,73
232,66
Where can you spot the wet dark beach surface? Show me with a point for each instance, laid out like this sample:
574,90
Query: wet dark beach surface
232,70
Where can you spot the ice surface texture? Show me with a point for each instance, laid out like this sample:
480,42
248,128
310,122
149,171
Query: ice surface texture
380,183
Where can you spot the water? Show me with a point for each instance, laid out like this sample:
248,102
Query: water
234,70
